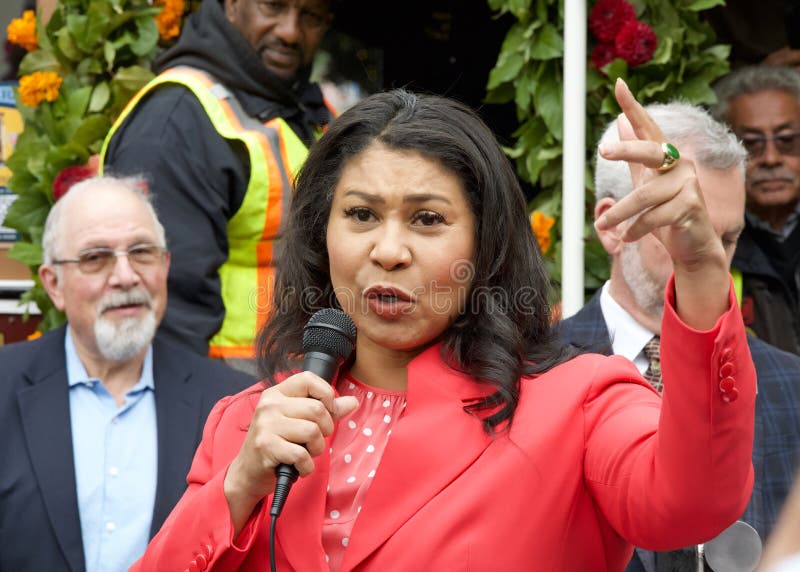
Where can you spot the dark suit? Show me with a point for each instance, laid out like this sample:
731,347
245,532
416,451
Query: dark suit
777,422
39,521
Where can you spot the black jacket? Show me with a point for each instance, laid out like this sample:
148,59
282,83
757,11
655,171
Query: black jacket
770,286
199,179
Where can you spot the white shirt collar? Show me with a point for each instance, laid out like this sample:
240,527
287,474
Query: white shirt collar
628,337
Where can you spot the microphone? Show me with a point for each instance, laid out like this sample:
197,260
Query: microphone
736,549
329,339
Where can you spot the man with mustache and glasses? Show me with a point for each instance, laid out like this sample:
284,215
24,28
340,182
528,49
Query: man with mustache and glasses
220,134
624,318
762,106
99,422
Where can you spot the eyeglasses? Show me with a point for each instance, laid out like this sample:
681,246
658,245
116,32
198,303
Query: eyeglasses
786,143
96,260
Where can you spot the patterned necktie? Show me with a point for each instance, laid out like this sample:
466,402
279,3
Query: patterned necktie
653,372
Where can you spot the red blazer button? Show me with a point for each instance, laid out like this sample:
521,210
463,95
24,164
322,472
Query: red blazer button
726,384
202,563
726,355
730,396
726,370
209,550
193,567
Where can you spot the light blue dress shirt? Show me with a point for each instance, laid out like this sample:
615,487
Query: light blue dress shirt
116,452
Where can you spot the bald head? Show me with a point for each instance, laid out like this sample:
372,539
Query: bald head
104,188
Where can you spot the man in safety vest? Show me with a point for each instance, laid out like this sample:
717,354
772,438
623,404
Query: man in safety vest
221,132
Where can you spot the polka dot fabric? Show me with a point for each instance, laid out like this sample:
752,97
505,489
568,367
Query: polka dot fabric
356,450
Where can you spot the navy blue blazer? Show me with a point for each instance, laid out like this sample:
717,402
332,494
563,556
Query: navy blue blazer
39,521
777,422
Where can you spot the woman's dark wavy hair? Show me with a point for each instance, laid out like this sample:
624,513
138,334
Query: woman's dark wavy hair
504,331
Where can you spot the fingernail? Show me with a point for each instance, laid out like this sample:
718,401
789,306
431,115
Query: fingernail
603,148
600,224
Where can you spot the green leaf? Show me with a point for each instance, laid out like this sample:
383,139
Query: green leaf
699,5
520,8
609,107
548,102
67,45
697,91
27,211
109,53
547,44
99,16
147,38
76,25
593,79
39,60
27,253
617,68
78,101
506,70
548,154
92,129
500,94
132,78
100,97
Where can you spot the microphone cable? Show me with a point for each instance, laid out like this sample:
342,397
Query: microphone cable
329,339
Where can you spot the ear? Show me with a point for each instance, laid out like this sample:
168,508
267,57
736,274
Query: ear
231,8
609,238
48,275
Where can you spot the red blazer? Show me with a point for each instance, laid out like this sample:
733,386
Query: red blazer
594,461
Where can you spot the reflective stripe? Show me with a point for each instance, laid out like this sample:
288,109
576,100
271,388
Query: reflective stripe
247,276
736,274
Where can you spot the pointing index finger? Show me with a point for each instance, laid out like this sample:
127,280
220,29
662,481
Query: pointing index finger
643,125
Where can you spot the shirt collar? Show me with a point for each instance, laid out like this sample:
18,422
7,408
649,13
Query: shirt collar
632,335
76,372
784,232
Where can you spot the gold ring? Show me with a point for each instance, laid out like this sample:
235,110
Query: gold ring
671,156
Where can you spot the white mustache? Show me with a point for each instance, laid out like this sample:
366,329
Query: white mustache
131,297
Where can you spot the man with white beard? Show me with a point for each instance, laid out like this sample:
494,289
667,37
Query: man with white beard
99,421
624,317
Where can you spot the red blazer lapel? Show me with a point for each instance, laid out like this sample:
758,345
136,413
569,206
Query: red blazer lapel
431,444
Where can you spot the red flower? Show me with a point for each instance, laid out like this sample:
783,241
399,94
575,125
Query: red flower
68,177
608,16
636,43
603,53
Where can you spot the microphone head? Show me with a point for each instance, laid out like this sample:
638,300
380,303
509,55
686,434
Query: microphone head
330,331
736,549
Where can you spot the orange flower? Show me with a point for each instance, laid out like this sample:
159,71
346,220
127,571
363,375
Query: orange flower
169,20
541,224
35,335
22,31
38,87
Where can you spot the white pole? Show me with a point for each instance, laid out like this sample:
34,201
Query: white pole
574,167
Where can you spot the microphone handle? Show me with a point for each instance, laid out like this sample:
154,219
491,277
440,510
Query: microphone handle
325,366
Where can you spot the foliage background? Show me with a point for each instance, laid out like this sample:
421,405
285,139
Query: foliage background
529,72
102,50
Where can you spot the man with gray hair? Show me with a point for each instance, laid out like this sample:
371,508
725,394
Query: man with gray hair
762,106
99,421
624,317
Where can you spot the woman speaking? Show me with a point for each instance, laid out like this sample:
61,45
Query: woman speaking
461,435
